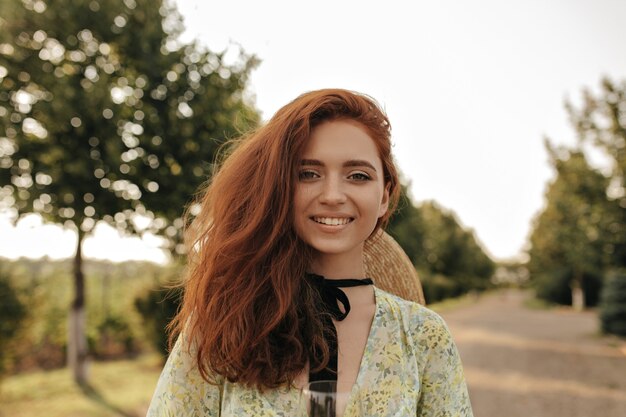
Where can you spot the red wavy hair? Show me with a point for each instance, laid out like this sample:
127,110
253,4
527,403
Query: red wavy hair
246,306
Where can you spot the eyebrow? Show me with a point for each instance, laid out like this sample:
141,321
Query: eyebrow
350,163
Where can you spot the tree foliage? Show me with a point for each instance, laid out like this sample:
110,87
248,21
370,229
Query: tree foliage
581,233
452,262
12,312
601,122
613,304
568,239
450,249
448,257
158,308
406,226
106,116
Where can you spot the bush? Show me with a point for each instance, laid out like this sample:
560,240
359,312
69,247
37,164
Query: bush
45,287
114,338
439,287
613,304
158,308
12,314
554,286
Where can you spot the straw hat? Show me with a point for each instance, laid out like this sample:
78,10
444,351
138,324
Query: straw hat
391,269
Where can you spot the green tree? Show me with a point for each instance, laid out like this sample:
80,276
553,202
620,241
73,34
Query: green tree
106,116
406,226
452,249
157,308
12,313
452,252
569,239
613,304
601,122
448,257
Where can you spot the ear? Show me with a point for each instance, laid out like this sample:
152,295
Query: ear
384,203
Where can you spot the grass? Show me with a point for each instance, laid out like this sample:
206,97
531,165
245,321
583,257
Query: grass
117,388
456,302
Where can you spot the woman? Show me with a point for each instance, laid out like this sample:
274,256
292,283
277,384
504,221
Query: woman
276,294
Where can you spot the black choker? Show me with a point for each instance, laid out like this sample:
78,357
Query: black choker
331,293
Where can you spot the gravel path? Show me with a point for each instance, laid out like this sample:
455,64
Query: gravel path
537,363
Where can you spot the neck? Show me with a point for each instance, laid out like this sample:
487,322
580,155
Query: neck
339,266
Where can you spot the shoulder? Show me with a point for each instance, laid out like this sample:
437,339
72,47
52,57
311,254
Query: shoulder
422,324
181,390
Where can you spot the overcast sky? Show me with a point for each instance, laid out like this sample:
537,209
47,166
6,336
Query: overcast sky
471,88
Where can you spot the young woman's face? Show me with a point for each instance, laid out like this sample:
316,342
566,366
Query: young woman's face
340,192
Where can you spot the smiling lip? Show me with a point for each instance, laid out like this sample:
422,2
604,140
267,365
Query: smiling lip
332,220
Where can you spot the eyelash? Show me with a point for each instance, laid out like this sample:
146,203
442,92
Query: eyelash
361,175
357,176
307,175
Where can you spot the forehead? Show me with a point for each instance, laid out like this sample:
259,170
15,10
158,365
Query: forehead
341,140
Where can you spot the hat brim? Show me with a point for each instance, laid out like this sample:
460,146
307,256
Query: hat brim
391,269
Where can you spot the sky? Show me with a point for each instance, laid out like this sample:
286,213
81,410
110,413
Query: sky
472,88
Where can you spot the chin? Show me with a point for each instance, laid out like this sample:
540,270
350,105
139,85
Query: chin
336,249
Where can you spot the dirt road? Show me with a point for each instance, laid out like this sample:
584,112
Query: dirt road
538,363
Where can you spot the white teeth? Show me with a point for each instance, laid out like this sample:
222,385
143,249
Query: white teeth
332,221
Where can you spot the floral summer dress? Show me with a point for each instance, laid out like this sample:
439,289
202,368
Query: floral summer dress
410,367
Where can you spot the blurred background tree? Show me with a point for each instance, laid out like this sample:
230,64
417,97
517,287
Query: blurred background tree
601,122
106,116
568,238
157,308
406,225
447,256
13,313
451,261
580,236
613,304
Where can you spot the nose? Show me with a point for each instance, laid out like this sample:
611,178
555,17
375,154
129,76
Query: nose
332,191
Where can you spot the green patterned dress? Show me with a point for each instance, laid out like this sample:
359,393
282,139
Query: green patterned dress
410,367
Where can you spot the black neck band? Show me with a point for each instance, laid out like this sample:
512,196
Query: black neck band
331,293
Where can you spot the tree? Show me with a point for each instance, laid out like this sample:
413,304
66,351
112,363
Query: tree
453,252
106,116
613,304
582,231
157,308
601,122
406,226
13,313
569,239
448,257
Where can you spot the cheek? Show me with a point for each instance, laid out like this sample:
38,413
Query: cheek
377,202
303,196
298,201
299,209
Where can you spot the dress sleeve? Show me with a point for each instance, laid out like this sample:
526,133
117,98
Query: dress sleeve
181,391
443,392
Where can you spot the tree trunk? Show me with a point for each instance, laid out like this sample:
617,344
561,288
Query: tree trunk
578,293
77,340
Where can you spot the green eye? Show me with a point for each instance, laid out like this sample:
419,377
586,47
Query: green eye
359,176
307,175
